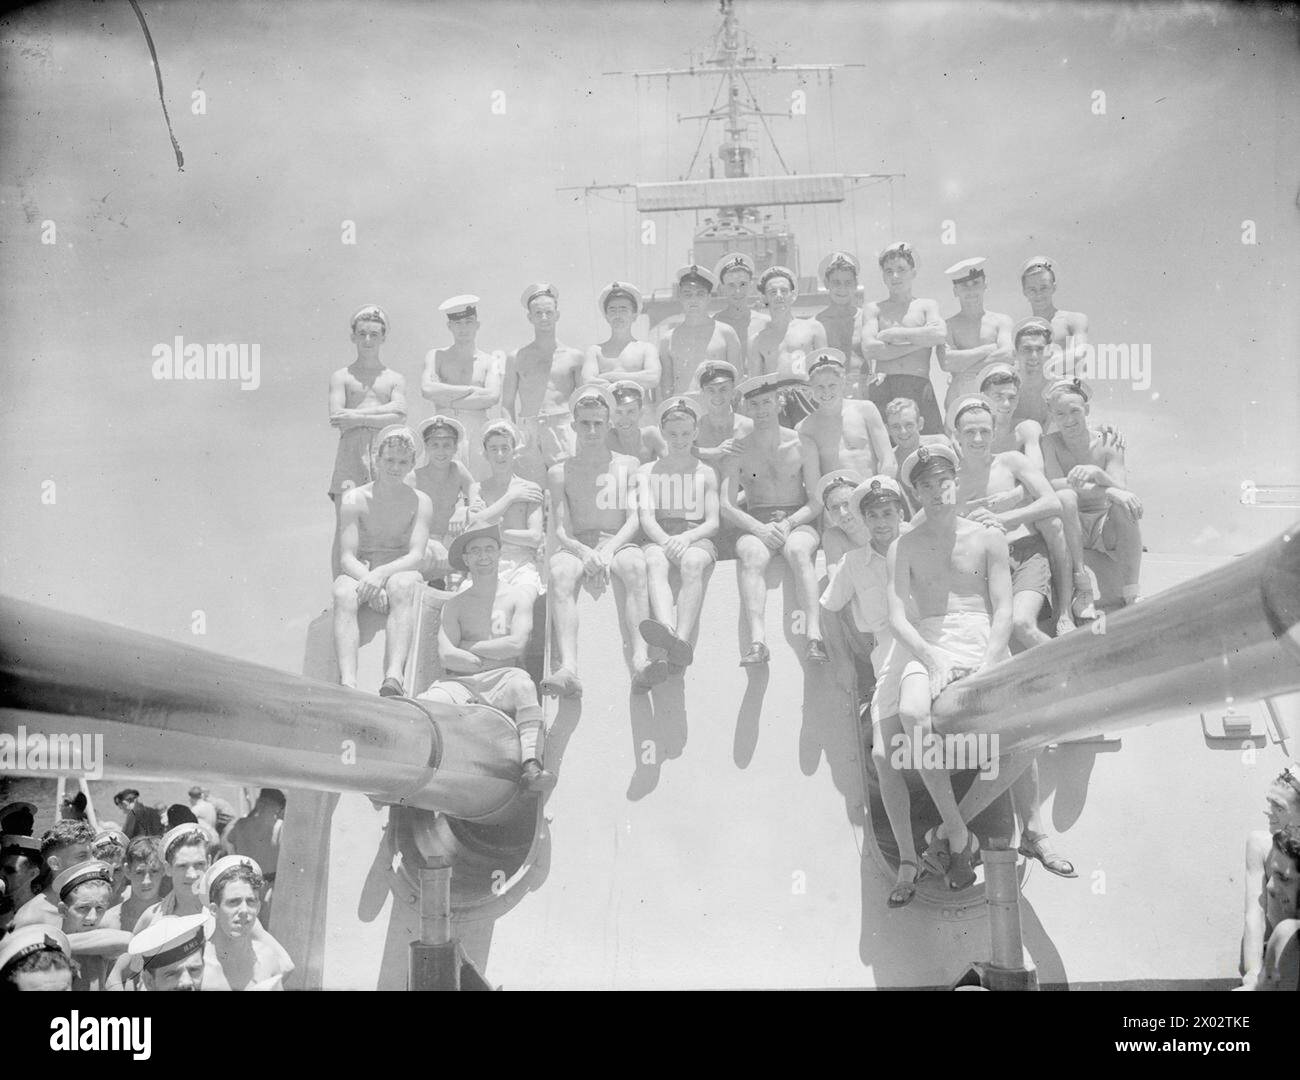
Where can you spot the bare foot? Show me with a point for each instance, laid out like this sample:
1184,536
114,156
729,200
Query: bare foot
562,683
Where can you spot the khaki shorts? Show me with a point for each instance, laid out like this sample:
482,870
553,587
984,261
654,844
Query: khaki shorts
503,688
1030,570
677,526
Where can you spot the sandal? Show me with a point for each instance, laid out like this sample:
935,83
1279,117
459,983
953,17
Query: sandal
961,872
938,855
1040,848
904,891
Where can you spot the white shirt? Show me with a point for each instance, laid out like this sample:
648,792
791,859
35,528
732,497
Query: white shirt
862,577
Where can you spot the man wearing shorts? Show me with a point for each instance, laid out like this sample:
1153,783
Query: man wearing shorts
698,338
463,379
848,433
1032,340
621,356
735,273
482,635
678,508
507,500
596,530
842,318
1069,341
777,467
447,481
975,337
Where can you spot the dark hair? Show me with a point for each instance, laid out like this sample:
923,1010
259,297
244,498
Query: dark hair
180,814
271,795
1043,332
974,406
41,960
194,837
242,872
1002,378
65,833
126,793
1287,841
144,849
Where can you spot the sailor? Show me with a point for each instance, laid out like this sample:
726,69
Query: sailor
141,820
169,953
236,957
20,871
842,530
1069,342
1282,812
861,587
18,818
184,850
85,896
848,433
463,379
258,836
540,378
364,397
904,423
898,335
65,844
698,337
110,846
445,478
778,469
145,872
202,810
1032,340
383,542
720,424
514,504
621,356
785,343
842,318
955,574
678,498
626,435
976,337
36,958
1279,968
735,273
1080,459
596,532
482,636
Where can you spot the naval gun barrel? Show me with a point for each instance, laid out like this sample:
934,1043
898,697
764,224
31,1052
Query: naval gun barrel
1232,634
166,709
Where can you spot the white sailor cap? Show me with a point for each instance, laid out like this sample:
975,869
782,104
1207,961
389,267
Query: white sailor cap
967,269
79,874
456,553
406,435
776,272
712,371
110,833
460,307
823,358
877,489
838,260
626,390
539,288
701,275
1067,386
1036,322
837,478
171,939
1037,262
37,937
925,455
617,290
503,427
678,404
734,260
965,402
898,247
28,845
588,393
370,313
181,831
219,869
441,424
998,367
772,381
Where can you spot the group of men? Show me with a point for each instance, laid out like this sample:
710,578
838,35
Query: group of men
745,434
87,909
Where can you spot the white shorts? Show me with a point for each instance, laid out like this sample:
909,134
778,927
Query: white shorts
960,637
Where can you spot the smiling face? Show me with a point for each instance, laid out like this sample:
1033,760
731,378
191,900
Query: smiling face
679,433
482,556
971,291
763,408
368,335
904,425
779,294
717,395
1070,412
897,273
842,285
884,519
1031,350
499,451
975,433
1005,396
439,447
936,490
627,413
543,313
394,460
827,387
620,313
1039,287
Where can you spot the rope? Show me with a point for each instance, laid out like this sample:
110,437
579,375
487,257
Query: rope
157,70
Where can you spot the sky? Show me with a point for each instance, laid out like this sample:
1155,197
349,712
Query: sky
140,501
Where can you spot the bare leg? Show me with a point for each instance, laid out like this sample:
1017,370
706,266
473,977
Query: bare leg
1084,603
566,577
629,565
334,551
914,715
752,557
1025,608
801,553
696,569
986,788
347,635
1123,539
1058,557
893,791
661,594
401,590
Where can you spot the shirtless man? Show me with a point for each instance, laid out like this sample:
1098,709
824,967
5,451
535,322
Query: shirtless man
720,424
678,501
956,573
258,837
540,378
843,531
1069,328
482,636
85,896
698,338
783,345
735,274
383,540
621,356
20,872
898,335
234,958
848,433
842,318
982,477
1082,460
65,844
596,530
514,505
446,479
365,396
36,958
626,435
144,873
1282,810
1032,340
904,423
463,379
778,469
976,338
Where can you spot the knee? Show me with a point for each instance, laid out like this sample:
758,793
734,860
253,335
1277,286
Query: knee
695,562
564,571
655,559
1069,500
751,553
345,592
1023,624
629,564
401,587
520,691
